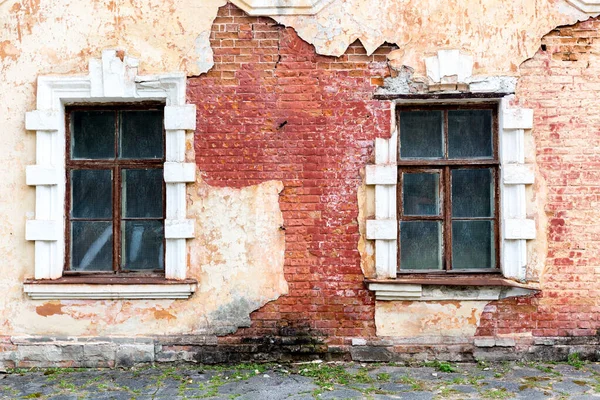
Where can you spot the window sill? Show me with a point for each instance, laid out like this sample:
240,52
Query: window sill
109,288
459,287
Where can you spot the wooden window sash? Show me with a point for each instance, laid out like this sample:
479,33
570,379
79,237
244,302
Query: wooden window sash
116,166
444,166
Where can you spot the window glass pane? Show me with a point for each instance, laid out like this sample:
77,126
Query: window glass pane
470,134
91,246
473,244
91,193
472,193
142,245
421,193
421,134
92,134
420,245
141,134
142,193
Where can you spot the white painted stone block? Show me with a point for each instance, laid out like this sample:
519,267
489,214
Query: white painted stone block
591,7
381,174
41,230
278,7
385,258
96,80
465,67
37,175
392,291
517,174
359,342
180,117
519,229
42,120
175,172
448,62
484,342
382,229
432,65
113,74
179,229
518,118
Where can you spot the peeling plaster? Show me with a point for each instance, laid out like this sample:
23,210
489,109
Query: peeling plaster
235,226
405,319
229,258
487,29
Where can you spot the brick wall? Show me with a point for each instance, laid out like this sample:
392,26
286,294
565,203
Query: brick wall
271,109
561,83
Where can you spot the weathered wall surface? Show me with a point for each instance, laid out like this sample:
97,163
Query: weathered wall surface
500,35
284,131
272,109
422,321
561,84
235,276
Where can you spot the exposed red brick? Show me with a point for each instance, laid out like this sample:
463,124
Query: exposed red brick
289,114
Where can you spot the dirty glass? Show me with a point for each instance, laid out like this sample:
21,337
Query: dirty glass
420,245
142,193
91,245
421,193
470,134
472,193
142,244
91,194
421,134
141,135
93,135
473,245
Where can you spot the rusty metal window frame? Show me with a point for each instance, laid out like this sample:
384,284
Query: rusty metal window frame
116,165
444,166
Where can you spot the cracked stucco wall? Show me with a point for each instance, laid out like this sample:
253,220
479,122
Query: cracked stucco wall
60,36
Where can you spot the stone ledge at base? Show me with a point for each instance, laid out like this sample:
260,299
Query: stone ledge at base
102,352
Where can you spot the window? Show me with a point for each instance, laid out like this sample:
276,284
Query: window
448,189
149,237
115,190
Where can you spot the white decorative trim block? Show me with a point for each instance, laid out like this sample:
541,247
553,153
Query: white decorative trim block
42,120
517,174
71,291
113,79
278,7
179,229
381,174
591,7
179,172
38,175
382,229
180,117
518,118
449,66
41,230
519,229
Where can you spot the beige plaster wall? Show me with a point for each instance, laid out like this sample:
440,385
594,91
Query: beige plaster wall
235,227
434,319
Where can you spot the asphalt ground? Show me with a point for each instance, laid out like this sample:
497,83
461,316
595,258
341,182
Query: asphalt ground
314,380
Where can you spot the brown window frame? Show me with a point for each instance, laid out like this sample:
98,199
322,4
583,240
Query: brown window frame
116,165
444,167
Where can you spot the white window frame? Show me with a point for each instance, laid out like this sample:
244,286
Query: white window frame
111,79
516,228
